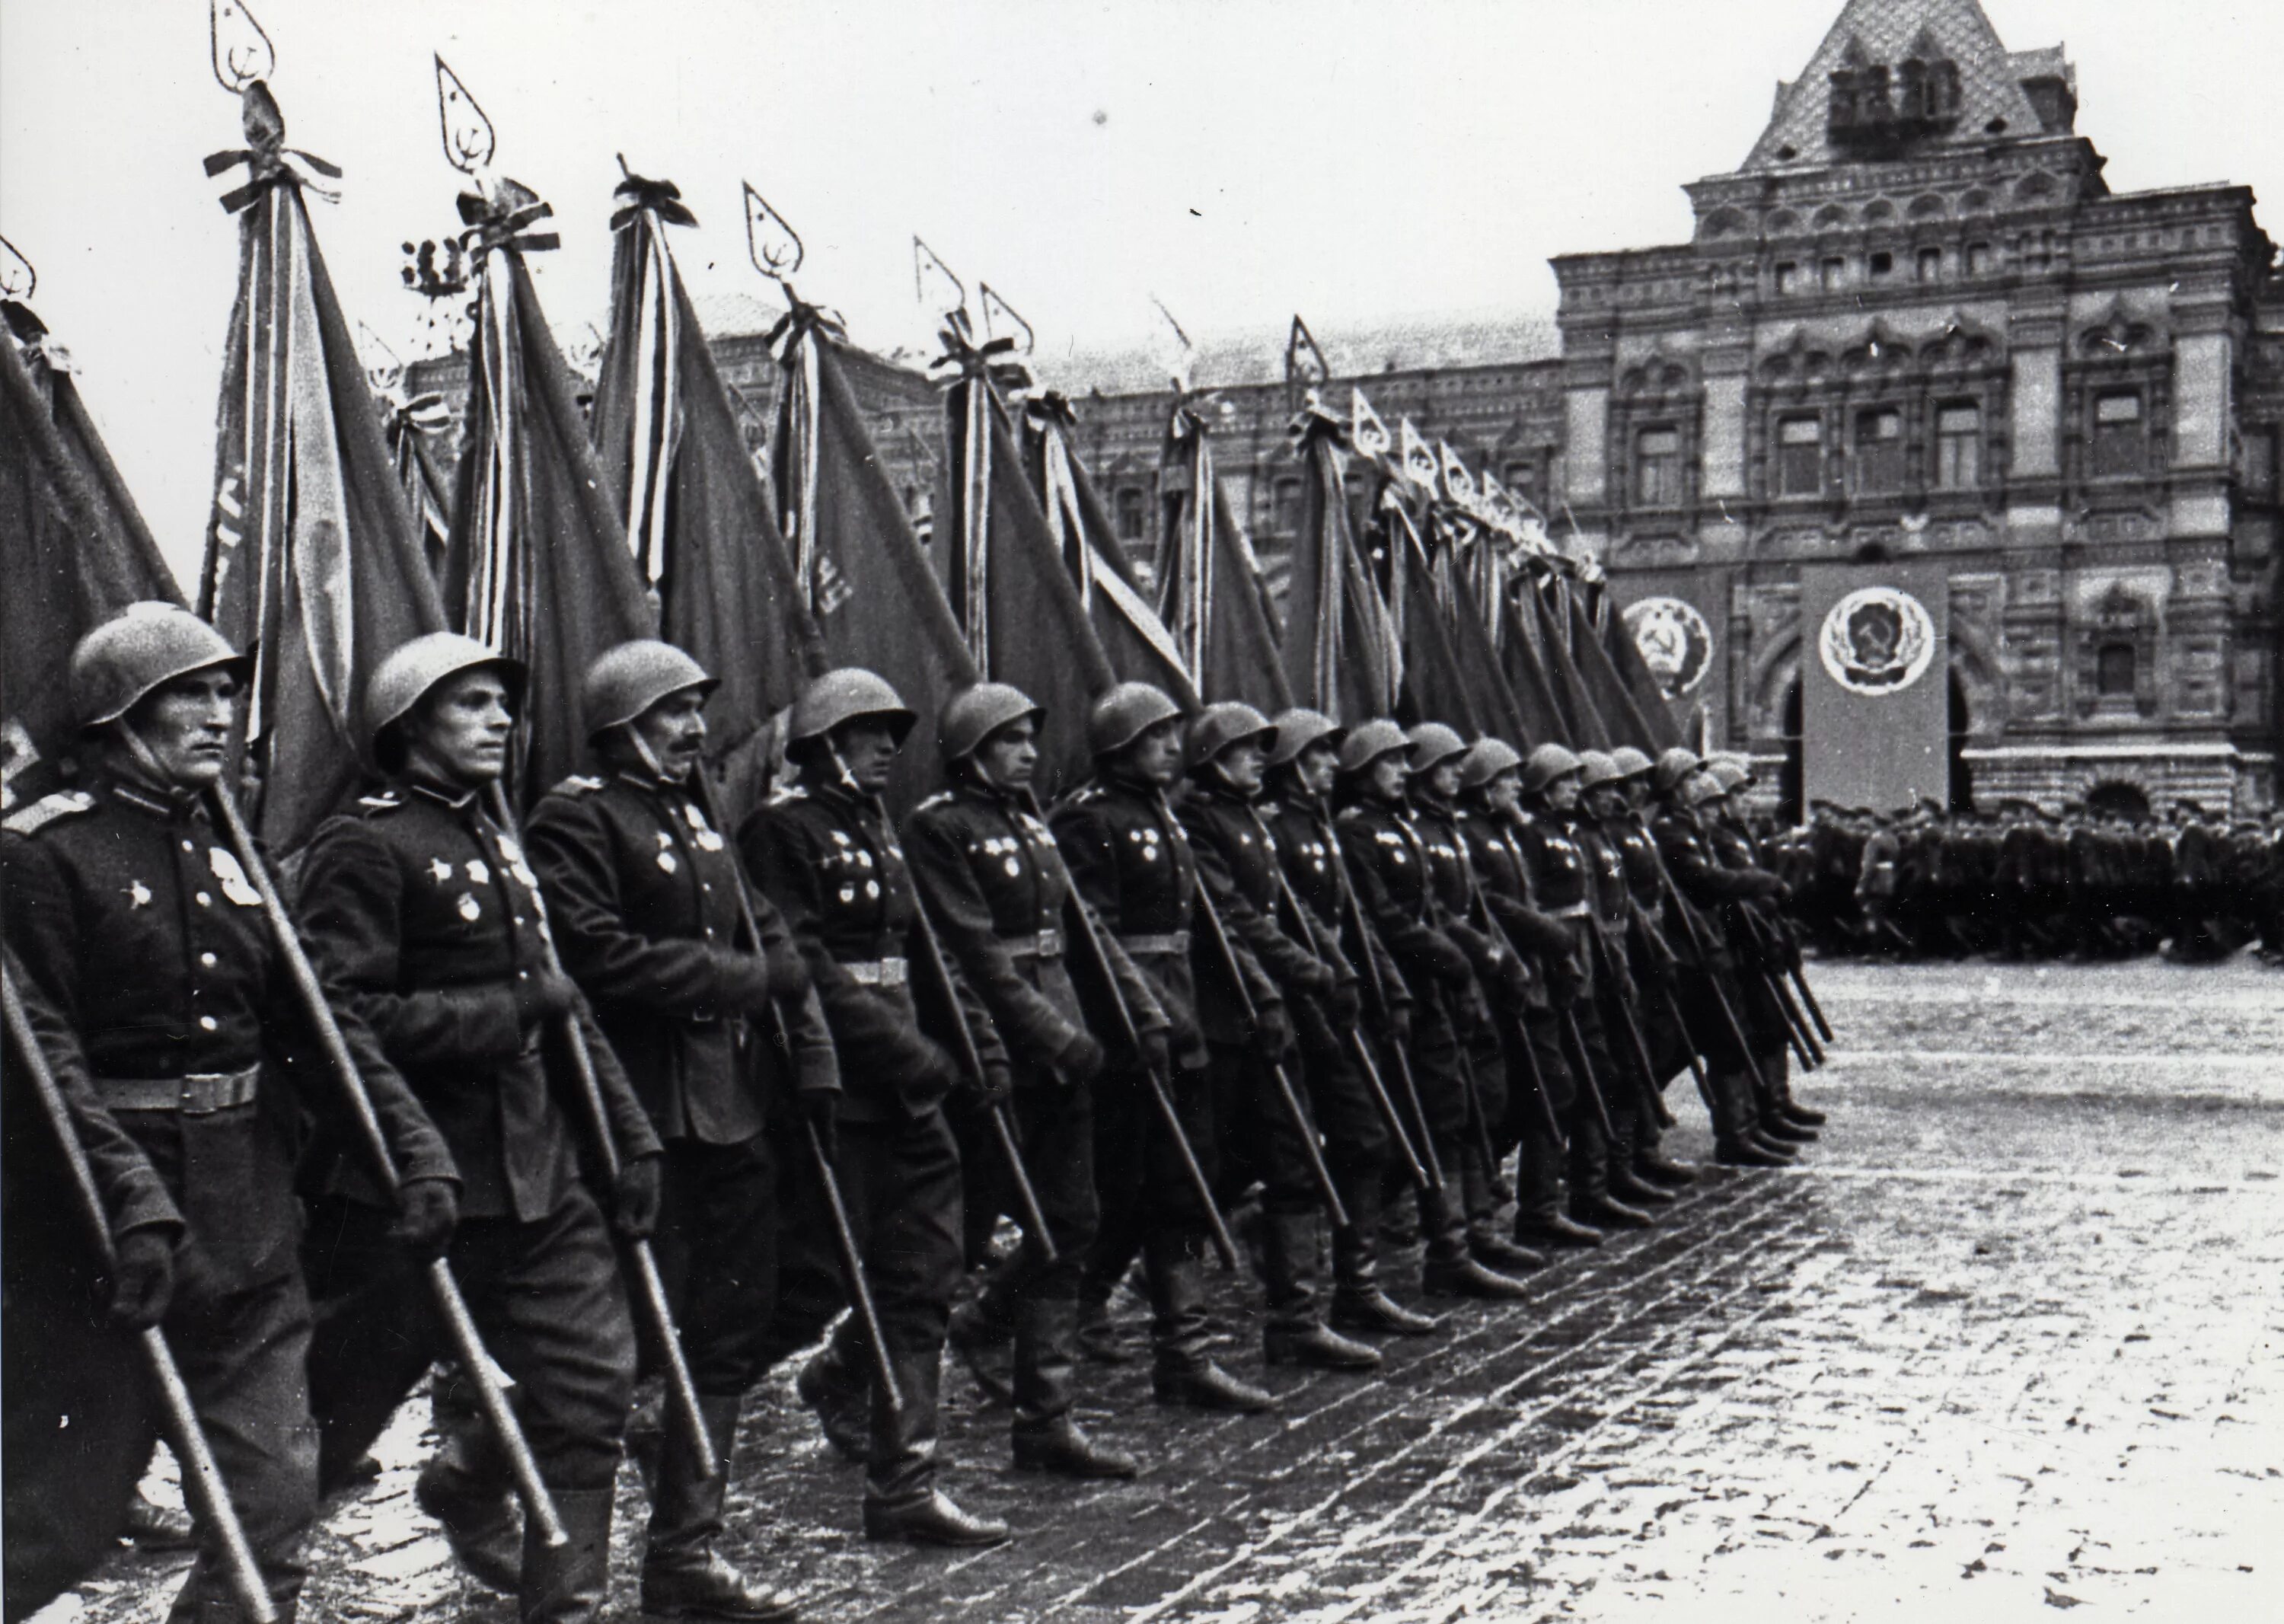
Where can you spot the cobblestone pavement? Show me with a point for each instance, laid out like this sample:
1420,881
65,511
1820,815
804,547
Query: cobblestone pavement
2006,1341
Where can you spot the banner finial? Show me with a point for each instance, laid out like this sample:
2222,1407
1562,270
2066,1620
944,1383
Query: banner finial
469,137
774,246
243,55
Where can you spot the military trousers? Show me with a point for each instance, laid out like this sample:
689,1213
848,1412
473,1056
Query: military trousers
717,1243
1144,1188
1054,1124
547,1300
82,1419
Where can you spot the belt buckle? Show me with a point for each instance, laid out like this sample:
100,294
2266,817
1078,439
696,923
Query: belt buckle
894,972
202,1093
1050,942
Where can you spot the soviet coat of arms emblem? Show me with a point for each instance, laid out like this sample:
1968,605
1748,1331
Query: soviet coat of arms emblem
1674,642
1877,640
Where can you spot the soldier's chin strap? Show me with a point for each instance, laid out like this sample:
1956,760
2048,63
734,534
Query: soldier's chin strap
648,757
146,764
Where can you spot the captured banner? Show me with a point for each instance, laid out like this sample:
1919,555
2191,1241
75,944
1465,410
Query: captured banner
1875,716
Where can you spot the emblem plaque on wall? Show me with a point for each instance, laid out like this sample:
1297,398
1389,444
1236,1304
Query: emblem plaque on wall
1674,642
1877,640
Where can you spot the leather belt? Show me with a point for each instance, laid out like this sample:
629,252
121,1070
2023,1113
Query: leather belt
1047,943
199,1094
1174,943
877,972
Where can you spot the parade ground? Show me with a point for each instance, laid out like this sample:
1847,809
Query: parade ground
2006,1341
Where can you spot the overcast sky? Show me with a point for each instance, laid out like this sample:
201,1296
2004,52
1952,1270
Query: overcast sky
1241,159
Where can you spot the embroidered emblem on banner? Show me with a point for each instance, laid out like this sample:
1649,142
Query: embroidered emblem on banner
1877,640
1674,642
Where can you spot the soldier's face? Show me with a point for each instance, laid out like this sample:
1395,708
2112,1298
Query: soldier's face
1157,757
1562,794
1386,779
1241,764
1443,779
1505,792
185,726
1010,756
673,732
1316,767
1607,800
460,733
868,750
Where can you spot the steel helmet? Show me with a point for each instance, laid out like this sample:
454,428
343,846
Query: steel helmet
1367,743
975,714
1217,727
1432,745
1631,762
1548,763
1126,713
1701,787
403,678
141,648
1671,768
843,696
626,681
1600,768
1486,760
1729,772
1297,729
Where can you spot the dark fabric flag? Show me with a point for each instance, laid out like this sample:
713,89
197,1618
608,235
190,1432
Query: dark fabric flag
697,517
1612,700
1649,700
865,579
73,550
1589,731
1543,721
1496,711
1209,585
413,425
1010,591
1434,687
1133,638
313,561
1341,653
539,568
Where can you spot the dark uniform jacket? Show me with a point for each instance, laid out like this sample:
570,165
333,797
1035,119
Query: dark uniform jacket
428,917
1316,867
1505,878
132,917
1451,866
830,862
1238,864
1395,890
1701,884
1650,952
1131,861
994,883
645,895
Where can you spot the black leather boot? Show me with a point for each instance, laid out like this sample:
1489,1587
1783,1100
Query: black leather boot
1045,1437
682,1576
1485,1244
566,1583
1539,1220
1735,1143
1099,1339
478,1512
1295,1332
982,1334
901,1499
1449,1269
1180,1371
837,1389
154,1528
1773,1082
1359,1303
1593,1158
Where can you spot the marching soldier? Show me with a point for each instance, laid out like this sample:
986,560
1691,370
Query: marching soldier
1564,875
1132,864
991,877
1502,980
69,1348
1617,802
141,933
1297,809
1239,866
428,913
823,848
645,895
1395,890
1760,944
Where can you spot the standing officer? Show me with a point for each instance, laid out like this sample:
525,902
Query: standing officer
645,894
1760,945
823,848
1502,980
141,932
426,912
992,878
1563,875
1650,953
1297,809
1237,864
1133,866
1395,890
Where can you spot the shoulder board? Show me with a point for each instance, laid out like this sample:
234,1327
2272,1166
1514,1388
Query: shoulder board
577,783
47,809
785,794
1085,795
370,806
1347,815
942,798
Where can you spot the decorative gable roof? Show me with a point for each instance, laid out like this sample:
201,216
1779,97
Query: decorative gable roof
1995,94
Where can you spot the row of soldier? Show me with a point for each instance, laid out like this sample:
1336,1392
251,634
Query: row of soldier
2025,884
1357,969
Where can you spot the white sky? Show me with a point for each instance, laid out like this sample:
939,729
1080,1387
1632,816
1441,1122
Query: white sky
1240,158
